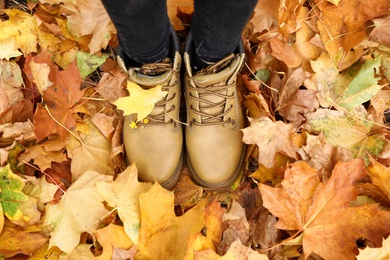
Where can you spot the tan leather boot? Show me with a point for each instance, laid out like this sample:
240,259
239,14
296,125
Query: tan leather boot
215,151
156,147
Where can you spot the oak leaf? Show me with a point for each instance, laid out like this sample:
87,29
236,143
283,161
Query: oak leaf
271,138
304,204
112,237
78,211
123,195
141,101
162,233
89,150
60,101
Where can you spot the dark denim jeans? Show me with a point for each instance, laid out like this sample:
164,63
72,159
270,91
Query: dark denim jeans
143,27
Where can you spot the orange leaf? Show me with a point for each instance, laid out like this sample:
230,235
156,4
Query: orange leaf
322,212
60,100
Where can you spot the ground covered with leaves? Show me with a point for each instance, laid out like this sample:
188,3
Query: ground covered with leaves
316,184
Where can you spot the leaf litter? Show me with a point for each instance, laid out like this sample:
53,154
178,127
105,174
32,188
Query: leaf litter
315,89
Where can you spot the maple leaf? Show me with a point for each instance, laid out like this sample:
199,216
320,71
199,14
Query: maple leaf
8,48
23,27
78,211
15,241
350,131
11,195
161,229
88,63
380,177
44,154
265,15
90,150
41,190
271,138
185,6
314,209
344,25
60,101
381,31
123,194
40,73
141,101
112,237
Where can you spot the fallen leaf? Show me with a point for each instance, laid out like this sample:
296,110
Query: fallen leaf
88,63
271,138
381,31
40,73
380,177
11,195
10,85
161,229
8,48
265,15
1,219
123,195
90,150
304,204
350,131
41,190
15,241
78,211
56,115
111,237
141,101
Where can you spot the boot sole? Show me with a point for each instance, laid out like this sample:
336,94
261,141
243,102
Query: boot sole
171,182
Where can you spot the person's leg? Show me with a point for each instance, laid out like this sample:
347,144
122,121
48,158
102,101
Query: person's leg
213,56
217,25
143,28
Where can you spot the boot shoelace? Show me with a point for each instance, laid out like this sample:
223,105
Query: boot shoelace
209,118
155,69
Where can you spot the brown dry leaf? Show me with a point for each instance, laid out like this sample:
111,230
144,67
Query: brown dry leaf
111,237
16,241
60,100
185,6
265,15
271,138
10,85
344,25
111,85
162,233
92,153
381,31
273,175
288,20
286,52
44,154
324,156
304,204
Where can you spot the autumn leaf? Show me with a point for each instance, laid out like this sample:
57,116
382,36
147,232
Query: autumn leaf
8,48
89,150
15,241
40,73
22,26
265,15
10,85
161,229
381,31
78,211
350,131
112,237
382,253
271,138
304,204
123,195
380,177
141,101
11,195
56,115
88,63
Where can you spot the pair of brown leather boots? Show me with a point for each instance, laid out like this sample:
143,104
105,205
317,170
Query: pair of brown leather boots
213,141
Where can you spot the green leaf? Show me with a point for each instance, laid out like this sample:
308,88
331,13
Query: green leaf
363,86
88,63
11,195
348,131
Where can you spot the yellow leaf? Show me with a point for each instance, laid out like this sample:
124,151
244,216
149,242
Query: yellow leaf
8,48
1,219
40,72
382,253
110,237
163,234
78,211
118,194
141,101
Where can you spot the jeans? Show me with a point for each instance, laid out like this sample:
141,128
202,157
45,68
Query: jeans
143,27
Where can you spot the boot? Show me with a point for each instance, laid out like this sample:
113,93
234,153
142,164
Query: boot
156,146
215,151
